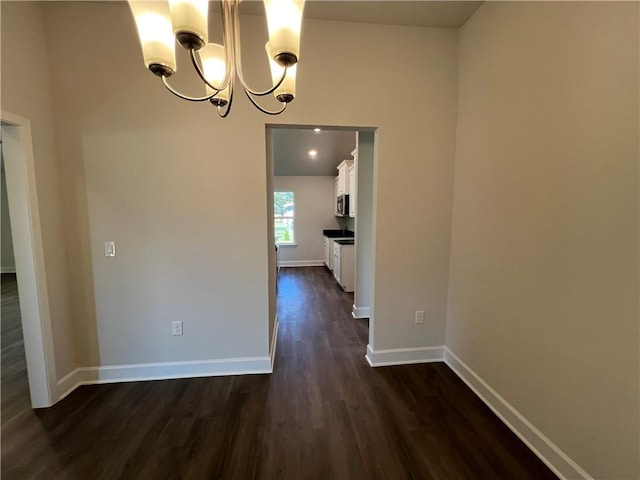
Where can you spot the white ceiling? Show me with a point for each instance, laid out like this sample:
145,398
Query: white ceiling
291,151
416,13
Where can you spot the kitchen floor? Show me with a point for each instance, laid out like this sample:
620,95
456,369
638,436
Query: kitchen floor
322,414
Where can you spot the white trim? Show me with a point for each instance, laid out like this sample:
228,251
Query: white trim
7,269
558,461
17,144
404,356
360,312
69,383
162,371
301,263
274,342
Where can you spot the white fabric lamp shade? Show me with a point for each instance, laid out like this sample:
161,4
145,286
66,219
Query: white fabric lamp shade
190,16
156,37
287,89
284,20
214,68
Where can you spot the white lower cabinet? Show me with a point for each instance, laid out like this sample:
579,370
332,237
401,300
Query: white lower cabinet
343,266
328,254
336,261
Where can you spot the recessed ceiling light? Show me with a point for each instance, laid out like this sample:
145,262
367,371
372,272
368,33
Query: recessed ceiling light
313,153
317,130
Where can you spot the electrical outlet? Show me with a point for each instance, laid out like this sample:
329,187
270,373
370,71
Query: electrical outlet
176,327
419,317
109,249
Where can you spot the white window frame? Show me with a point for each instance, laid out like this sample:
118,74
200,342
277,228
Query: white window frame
292,243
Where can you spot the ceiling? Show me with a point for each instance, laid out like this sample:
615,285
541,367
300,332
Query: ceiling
415,13
291,151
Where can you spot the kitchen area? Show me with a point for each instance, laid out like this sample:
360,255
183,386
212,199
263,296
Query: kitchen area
339,244
322,186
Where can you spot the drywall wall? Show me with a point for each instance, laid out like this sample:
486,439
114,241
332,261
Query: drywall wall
543,297
26,92
364,223
272,260
183,193
314,211
8,264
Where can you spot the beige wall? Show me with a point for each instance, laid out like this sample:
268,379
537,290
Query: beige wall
156,175
26,92
314,211
364,220
543,298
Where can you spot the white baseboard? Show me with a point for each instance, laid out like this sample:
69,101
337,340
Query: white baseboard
8,269
558,461
404,356
274,343
361,312
162,371
68,384
301,263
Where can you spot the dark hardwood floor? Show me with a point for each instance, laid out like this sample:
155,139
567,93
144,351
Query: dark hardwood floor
323,414
14,384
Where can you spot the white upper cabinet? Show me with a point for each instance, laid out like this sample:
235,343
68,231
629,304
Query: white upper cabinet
343,176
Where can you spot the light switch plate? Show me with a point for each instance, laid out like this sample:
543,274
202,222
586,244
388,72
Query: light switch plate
109,249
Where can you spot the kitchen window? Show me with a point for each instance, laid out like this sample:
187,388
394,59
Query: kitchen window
284,217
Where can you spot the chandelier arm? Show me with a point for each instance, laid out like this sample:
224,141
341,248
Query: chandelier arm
231,66
185,97
266,92
235,17
200,73
228,110
227,40
268,112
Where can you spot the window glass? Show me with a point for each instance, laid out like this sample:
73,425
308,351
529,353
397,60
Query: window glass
284,213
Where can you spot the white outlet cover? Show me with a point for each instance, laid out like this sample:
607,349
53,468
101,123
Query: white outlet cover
109,249
176,327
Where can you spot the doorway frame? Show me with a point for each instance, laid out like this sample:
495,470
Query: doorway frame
269,162
24,214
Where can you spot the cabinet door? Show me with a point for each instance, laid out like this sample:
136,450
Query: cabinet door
330,254
326,253
336,266
342,181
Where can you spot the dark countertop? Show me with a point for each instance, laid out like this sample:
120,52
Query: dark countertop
338,233
345,242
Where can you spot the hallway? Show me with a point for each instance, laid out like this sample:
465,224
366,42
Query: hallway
323,414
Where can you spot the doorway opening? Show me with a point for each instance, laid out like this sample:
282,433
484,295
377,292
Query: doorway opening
28,252
320,198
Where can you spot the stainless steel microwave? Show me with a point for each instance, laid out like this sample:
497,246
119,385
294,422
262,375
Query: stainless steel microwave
342,205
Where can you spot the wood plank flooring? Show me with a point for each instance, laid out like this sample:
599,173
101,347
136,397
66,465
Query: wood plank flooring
14,385
323,414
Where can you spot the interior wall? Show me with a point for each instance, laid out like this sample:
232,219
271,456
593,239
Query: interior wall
8,263
364,221
543,297
183,193
272,255
27,92
314,212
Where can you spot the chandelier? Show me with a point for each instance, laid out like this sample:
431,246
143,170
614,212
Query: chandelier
161,24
